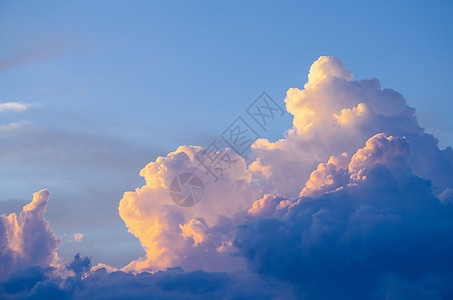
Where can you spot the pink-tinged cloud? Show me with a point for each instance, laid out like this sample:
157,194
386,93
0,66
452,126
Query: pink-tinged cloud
170,233
334,114
27,239
78,237
341,171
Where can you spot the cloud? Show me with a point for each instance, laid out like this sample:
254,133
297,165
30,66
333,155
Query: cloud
13,106
366,228
27,239
23,280
80,265
339,171
78,237
12,205
170,233
13,127
33,53
334,114
195,229
268,206
173,283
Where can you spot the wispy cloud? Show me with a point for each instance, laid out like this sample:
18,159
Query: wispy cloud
32,54
14,126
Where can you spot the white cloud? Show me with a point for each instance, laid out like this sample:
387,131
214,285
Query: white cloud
13,106
334,114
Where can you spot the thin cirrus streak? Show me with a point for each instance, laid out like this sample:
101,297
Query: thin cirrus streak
33,53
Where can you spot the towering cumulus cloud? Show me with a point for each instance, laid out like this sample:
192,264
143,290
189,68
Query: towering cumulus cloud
27,239
355,202
335,114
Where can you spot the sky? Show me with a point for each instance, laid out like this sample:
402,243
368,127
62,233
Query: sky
103,104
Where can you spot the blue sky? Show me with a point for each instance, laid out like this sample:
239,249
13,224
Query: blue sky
113,85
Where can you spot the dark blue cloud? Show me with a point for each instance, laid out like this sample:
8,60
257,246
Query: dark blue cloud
80,265
24,280
388,236
174,283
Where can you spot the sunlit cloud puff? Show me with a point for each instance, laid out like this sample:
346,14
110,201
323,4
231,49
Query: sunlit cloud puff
13,106
78,237
198,237
355,202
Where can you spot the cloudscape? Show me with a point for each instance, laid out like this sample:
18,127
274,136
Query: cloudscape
372,220
335,190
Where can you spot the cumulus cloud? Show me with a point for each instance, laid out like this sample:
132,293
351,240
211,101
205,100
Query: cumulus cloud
13,106
80,265
268,206
334,114
27,239
340,171
170,233
365,228
367,157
